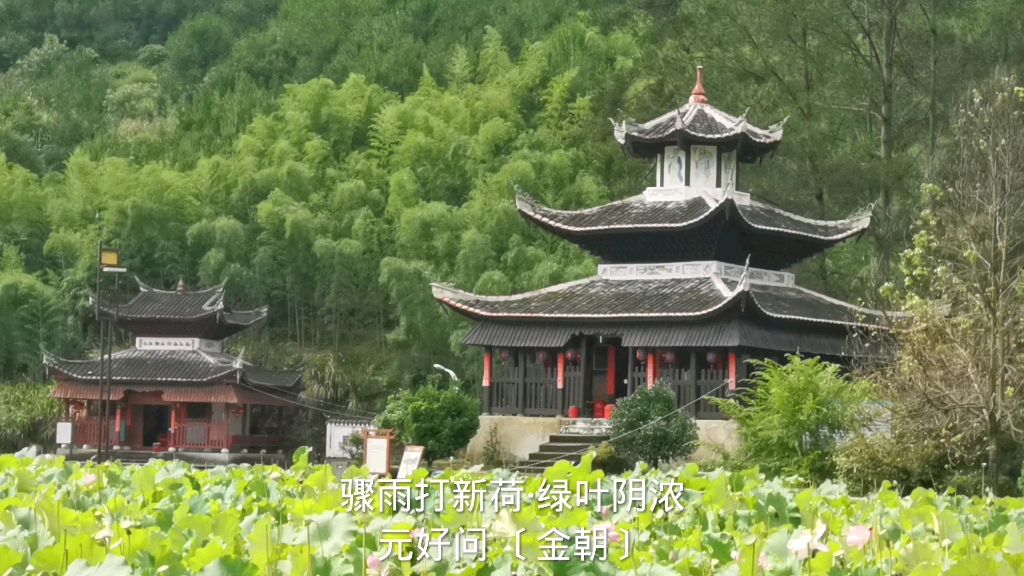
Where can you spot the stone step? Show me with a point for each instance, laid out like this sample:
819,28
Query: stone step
592,439
548,459
565,447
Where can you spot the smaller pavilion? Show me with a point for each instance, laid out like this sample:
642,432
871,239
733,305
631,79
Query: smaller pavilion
176,388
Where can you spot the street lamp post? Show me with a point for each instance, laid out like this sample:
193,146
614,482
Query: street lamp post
108,261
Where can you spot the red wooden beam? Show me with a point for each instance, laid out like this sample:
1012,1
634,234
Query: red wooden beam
611,372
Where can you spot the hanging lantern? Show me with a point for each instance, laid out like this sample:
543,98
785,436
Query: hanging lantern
641,355
238,411
669,357
712,357
572,355
542,356
503,355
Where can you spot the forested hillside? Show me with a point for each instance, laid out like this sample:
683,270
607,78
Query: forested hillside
331,158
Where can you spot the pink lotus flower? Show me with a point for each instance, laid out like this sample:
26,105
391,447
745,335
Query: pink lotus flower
89,480
417,533
373,562
672,556
858,536
609,528
606,512
804,543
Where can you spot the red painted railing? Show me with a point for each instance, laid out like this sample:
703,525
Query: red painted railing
200,434
87,431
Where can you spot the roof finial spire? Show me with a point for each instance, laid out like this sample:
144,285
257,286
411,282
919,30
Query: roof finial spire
698,96
181,285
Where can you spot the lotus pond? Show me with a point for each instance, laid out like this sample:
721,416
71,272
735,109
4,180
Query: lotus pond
166,518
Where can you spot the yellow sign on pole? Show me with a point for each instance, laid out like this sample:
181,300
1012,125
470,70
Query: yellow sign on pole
110,257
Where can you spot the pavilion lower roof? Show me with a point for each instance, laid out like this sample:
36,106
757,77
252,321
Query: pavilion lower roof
174,367
679,292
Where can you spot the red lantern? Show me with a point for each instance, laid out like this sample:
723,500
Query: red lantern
572,355
542,356
712,357
503,355
669,357
238,411
641,355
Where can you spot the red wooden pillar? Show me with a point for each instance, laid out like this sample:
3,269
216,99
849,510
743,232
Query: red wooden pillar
611,373
732,370
487,383
118,429
560,383
652,370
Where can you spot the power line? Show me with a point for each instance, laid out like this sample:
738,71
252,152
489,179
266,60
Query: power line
624,434
329,412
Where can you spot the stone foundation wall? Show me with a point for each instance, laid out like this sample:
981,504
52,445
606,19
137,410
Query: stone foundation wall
520,435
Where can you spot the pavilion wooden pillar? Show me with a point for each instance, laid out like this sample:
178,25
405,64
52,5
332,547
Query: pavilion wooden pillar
486,392
560,383
522,382
732,370
630,366
652,370
118,426
587,374
611,374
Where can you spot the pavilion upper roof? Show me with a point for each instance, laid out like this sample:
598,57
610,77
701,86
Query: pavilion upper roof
181,312
728,227
700,123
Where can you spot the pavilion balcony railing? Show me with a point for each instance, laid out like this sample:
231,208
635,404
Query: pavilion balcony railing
522,387
87,431
688,385
201,433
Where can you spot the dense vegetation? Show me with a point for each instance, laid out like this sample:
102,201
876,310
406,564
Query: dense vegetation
169,519
331,159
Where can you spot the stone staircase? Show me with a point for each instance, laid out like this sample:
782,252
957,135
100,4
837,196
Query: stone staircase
573,440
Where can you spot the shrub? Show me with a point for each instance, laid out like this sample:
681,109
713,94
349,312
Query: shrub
608,460
442,421
495,456
865,462
27,416
792,419
647,427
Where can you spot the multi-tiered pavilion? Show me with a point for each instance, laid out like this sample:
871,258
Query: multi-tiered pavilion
176,388
690,285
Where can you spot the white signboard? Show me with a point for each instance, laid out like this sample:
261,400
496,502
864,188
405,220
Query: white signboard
64,433
157,343
378,455
410,461
338,443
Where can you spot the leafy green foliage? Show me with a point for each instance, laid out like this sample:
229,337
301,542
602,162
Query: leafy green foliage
27,416
442,421
646,427
166,517
794,415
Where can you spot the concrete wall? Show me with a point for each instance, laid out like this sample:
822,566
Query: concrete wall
519,435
